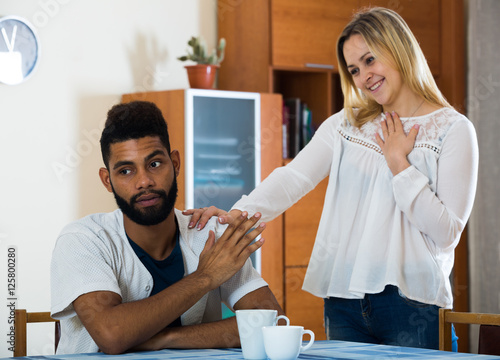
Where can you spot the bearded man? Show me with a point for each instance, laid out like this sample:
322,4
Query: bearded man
138,278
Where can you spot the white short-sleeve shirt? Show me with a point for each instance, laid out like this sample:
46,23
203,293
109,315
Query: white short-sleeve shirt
94,254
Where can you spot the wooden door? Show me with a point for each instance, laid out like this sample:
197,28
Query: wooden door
424,19
300,227
304,33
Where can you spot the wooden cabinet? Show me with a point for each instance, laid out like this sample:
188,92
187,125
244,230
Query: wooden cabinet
289,47
281,45
314,26
303,308
300,224
322,21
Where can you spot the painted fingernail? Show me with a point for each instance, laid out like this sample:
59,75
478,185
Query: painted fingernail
221,220
393,113
262,224
191,224
257,215
198,227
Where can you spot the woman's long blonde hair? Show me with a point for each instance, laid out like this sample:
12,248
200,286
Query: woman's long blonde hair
389,39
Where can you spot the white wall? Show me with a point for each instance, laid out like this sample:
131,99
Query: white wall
92,52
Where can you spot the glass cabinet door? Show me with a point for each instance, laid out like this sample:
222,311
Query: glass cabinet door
222,147
222,151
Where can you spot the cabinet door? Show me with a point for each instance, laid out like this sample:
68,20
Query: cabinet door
305,32
424,19
302,307
301,226
222,147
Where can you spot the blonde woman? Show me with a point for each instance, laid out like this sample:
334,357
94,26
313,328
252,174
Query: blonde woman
402,167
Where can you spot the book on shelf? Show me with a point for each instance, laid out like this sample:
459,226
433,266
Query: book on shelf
306,130
294,118
297,126
286,122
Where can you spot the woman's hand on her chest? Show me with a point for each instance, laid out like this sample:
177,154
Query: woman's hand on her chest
396,145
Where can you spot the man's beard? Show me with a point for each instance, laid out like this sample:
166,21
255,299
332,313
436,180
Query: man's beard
151,215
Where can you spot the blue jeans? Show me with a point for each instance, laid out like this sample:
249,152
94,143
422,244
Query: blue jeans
384,318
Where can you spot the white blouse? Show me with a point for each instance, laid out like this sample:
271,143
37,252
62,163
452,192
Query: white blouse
377,229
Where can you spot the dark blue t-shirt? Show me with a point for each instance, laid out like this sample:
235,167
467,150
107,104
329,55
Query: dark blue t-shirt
164,272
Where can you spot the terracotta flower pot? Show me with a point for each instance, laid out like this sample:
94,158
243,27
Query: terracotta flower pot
201,76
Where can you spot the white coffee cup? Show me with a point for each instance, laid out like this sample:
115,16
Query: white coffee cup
250,323
285,342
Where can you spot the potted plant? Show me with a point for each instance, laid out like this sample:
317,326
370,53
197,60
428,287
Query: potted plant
202,75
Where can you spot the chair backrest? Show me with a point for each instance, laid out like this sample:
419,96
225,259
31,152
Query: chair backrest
447,317
21,318
489,340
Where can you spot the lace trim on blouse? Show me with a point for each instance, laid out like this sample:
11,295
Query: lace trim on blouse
433,128
360,141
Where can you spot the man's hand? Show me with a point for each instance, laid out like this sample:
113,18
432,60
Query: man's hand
202,215
221,259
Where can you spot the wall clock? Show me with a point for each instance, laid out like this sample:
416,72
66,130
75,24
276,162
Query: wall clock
19,50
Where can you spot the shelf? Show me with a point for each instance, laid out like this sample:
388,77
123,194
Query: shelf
215,141
228,157
304,69
313,87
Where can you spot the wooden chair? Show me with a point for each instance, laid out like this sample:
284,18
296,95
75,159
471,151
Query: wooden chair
21,318
489,340
447,317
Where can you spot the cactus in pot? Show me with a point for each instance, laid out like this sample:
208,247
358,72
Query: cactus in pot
202,75
199,54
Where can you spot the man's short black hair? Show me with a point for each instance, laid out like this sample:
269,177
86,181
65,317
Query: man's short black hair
130,121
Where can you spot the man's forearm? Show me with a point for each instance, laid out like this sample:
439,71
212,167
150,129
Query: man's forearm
217,334
117,328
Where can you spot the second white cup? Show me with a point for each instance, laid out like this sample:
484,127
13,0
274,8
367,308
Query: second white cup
285,342
250,324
